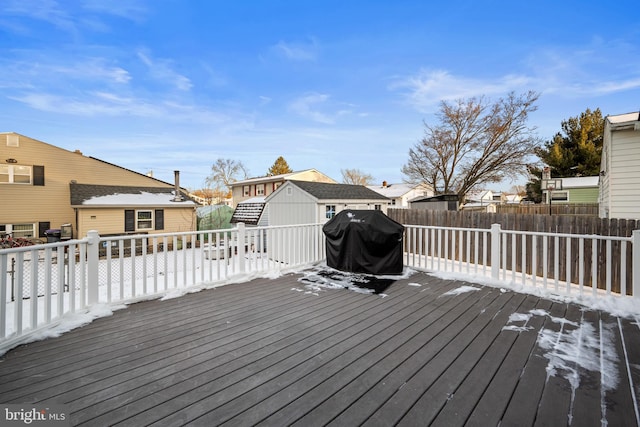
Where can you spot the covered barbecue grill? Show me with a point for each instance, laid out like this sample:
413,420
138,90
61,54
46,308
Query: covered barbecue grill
364,241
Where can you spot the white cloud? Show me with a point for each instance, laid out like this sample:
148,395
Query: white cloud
297,51
427,88
100,103
43,10
305,107
133,10
161,69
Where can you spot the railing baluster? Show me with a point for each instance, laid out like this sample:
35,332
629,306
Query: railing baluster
34,289
556,263
4,264
594,266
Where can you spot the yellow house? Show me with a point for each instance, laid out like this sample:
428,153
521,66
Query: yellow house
265,185
43,187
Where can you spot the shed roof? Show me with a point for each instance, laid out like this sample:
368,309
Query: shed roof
580,182
120,195
623,118
328,191
249,211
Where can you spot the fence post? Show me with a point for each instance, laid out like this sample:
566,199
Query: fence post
241,247
495,251
635,263
93,258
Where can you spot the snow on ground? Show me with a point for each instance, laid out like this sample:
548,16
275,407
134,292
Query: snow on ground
460,290
323,277
575,348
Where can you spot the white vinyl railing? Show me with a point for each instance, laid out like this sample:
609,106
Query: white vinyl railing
41,284
565,264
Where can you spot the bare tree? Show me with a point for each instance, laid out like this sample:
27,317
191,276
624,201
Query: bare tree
356,176
224,173
474,143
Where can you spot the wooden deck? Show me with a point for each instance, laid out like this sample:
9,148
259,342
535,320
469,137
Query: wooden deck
269,353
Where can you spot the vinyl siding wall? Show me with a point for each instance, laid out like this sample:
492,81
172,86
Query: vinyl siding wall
624,175
291,205
583,195
111,220
26,203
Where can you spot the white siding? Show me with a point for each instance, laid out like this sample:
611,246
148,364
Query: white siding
291,205
623,177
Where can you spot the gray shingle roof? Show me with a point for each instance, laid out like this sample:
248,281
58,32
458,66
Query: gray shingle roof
80,193
326,191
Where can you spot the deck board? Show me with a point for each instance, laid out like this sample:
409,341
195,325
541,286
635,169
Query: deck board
271,352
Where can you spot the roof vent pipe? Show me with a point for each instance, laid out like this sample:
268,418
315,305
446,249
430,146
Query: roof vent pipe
178,196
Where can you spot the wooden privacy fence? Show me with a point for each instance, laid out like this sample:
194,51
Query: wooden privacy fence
538,250
578,209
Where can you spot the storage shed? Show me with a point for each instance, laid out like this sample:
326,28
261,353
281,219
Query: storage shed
364,241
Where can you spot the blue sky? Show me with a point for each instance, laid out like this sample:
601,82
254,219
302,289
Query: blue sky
175,84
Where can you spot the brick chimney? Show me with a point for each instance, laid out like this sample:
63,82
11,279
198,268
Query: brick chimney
384,184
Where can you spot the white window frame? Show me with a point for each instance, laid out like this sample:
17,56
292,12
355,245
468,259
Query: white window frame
150,219
260,190
246,190
10,229
330,211
555,193
11,175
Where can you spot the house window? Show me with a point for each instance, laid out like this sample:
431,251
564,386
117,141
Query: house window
15,174
558,196
260,190
276,185
330,211
393,202
246,190
13,141
377,207
18,230
144,220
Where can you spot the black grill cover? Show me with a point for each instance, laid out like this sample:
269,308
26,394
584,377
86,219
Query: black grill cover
364,241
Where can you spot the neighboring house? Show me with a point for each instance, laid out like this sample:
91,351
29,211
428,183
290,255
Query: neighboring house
265,185
481,200
511,199
400,194
481,197
620,167
251,212
36,180
580,189
306,202
119,209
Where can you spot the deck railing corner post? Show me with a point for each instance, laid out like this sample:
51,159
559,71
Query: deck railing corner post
495,250
635,264
93,258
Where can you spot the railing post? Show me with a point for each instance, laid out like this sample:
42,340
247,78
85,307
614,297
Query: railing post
635,263
495,251
241,246
93,258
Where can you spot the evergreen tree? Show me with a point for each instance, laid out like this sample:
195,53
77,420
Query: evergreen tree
576,150
280,166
